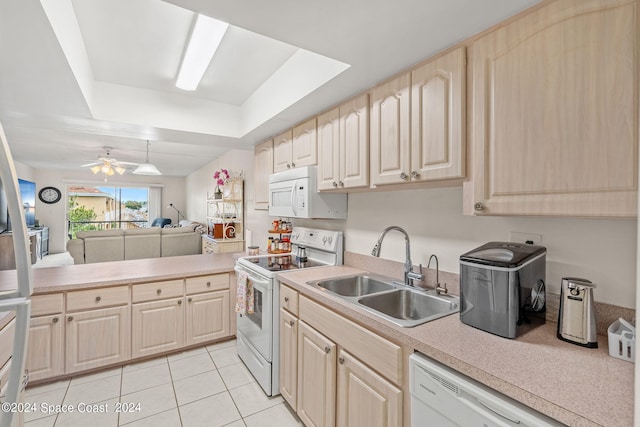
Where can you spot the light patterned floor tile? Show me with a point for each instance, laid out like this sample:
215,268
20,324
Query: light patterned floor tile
277,416
101,414
43,422
39,389
140,379
238,423
236,375
225,357
96,376
197,387
93,391
170,418
188,353
152,401
53,397
250,399
191,366
213,411
221,345
146,364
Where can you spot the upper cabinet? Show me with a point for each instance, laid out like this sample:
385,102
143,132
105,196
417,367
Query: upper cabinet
343,146
554,123
263,158
296,147
418,123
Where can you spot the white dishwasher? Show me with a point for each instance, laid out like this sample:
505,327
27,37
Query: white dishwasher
443,397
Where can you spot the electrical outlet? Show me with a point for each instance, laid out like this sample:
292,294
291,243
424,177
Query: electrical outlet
519,237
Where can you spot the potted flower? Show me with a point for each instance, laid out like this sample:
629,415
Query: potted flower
221,177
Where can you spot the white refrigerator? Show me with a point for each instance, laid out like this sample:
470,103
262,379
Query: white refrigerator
17,300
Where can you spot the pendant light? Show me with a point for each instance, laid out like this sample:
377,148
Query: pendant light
146,168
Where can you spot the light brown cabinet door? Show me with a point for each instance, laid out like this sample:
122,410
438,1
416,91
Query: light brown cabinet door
390,131
316,378
304,150
365,399
555,113
157,326
354,143
289,357
283,151
207,317
438,131
329,150
263,162
97,338
45,352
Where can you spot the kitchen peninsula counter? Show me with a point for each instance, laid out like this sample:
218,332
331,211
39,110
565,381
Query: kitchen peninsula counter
577,386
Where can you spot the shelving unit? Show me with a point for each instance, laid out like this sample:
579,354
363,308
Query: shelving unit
225,220
282,234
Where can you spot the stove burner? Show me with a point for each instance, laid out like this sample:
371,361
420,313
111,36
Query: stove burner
282,263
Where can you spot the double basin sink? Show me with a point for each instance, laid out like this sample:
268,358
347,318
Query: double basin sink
396,302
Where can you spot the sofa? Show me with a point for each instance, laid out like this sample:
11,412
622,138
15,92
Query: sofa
118,245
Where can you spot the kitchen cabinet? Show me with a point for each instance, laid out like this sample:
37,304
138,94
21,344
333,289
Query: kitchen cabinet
45,350
296,147
282,149
207,312
289,357
157,323
343,146
365,399
98,328
263,167
554,125
418,123
316,377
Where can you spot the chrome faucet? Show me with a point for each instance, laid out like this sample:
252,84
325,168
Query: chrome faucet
409,275
437,284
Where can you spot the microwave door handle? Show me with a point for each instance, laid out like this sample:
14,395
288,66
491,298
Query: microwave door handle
294,208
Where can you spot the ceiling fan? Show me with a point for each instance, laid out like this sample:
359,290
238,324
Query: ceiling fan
109,165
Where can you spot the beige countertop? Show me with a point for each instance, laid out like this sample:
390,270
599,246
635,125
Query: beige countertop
575,385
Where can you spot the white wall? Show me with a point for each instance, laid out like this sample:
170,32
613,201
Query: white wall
54,215
603,251
24,171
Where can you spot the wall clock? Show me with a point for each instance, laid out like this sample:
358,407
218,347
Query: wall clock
50,195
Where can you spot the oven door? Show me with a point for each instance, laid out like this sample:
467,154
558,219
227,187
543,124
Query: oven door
258,326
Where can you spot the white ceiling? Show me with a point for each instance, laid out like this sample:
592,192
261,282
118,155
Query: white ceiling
78,75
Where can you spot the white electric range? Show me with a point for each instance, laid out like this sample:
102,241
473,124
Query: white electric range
258,334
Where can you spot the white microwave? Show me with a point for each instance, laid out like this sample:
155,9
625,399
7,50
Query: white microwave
294,194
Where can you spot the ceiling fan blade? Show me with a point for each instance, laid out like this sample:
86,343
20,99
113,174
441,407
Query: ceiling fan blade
126,163
91,164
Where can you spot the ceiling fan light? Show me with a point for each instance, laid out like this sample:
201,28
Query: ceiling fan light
96,169
110,172
146,169
120,170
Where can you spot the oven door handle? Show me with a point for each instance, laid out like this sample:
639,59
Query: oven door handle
261,285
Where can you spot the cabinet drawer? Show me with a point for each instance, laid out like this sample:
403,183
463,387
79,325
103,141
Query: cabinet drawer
215,282
6,342
289,299
158,290
377,352
42,305
97,298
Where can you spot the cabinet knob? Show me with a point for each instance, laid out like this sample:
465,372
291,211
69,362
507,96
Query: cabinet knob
335,184
69,319
293,165
478,206
286,299
159,291
341,184
415,174
190,299
403,176
208,284
288,166
327,349
341,360
55,320
98,299
179,302
291,323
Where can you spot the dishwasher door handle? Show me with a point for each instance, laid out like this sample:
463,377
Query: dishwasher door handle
497,412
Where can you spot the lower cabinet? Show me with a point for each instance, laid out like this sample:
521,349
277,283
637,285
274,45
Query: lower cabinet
157,326
365,399
316,378
45,350
327,378
97,338
207,317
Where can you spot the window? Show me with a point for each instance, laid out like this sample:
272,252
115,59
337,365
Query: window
104,207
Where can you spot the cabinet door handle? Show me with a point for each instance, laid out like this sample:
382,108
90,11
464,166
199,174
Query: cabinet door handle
98,299
286,299
327,349
293,165
478,206
179,302
208,284
415,174
341,360
335,184
190,299
159,291
55,320
403,176
291,323
288,166
69,319
341,184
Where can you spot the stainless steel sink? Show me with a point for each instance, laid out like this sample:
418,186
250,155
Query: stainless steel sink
354,286
406,307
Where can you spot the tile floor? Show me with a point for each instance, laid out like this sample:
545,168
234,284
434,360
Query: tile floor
208,386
